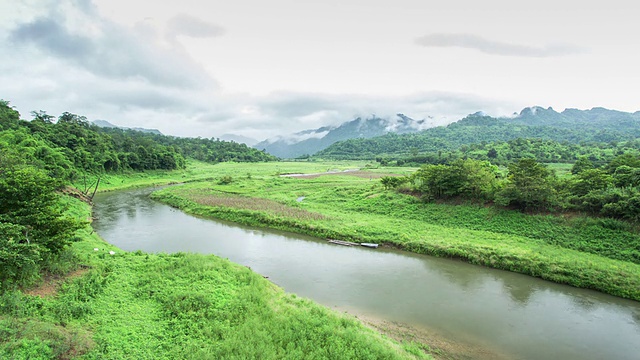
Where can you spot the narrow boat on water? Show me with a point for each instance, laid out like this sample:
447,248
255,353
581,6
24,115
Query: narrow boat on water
369,245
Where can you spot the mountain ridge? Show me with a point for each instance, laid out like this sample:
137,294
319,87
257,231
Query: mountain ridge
308,142
572,125
106,124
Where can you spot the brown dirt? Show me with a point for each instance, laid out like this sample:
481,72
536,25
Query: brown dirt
51,283
440,346
362,174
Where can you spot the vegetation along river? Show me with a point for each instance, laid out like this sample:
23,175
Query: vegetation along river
524,317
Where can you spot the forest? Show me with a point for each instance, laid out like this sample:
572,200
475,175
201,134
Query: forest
70,145
476,134
38,158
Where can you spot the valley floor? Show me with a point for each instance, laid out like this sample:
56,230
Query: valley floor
353,206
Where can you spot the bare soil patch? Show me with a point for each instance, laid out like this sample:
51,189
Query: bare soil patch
51,283
358,173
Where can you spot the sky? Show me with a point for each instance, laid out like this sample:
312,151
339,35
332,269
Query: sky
263,68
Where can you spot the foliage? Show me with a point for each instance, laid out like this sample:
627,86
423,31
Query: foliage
225,180
32,223
469,179
72,146
529,186
393,182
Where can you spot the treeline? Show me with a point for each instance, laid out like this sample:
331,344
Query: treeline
475,129
612,190
70,145
504,152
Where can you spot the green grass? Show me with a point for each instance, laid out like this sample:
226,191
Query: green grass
562,170
591,253
201,171
178,306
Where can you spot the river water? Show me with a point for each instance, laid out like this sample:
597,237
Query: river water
518,315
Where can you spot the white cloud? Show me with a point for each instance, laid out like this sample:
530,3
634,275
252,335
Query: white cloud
471,41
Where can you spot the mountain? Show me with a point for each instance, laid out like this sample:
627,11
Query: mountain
597,118
106,124
572,126
239,139
309,142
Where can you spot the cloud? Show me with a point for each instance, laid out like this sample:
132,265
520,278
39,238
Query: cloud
108,50
284,113
183,24
65,56
469,41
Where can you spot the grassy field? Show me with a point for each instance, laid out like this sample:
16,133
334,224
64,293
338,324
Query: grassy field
179,306
200,171
591,253
95,305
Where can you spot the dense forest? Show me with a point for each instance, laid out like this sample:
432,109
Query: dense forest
41,156
70,144
504,152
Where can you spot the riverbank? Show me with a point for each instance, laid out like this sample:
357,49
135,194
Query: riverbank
355,207
140,305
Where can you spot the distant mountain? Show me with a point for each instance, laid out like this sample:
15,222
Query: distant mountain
106,124
239,139
309,142
571,125
597,118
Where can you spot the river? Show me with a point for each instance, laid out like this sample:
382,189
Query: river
524,317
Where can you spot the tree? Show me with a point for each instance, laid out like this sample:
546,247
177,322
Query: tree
529,186
590,180
478,179
393,182
28,200
582,164
629,160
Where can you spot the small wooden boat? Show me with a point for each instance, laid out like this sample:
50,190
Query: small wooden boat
369,245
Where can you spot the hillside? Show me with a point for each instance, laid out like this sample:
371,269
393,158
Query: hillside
70,145
106,124
572,126
308,142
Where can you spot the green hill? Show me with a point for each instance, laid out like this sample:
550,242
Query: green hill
572,126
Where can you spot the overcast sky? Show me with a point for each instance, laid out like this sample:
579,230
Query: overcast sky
265,67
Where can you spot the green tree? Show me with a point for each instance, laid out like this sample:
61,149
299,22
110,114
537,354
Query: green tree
582,164
393,182
478,179
589,180
28,200
629,160
529,186
626,176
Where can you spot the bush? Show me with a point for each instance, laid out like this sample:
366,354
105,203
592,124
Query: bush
225,180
